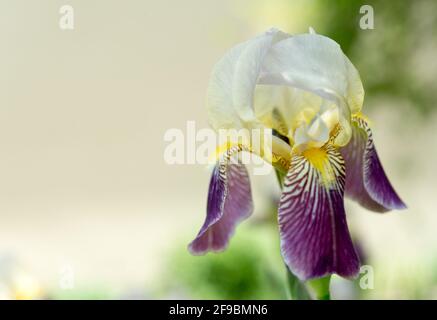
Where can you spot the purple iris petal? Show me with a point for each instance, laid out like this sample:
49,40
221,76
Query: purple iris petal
315,239
366,181
229,202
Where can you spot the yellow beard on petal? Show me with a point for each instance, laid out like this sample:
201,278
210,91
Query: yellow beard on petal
220,150
360,115
318,158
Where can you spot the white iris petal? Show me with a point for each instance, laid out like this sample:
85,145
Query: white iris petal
304,84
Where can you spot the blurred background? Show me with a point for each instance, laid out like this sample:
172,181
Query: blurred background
89,208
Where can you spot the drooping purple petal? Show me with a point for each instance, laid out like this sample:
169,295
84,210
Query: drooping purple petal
366,181
229,202
315,239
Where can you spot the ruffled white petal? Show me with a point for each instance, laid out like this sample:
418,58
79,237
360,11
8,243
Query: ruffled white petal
355,90
247,72
274,79
221,111
314,63
233,80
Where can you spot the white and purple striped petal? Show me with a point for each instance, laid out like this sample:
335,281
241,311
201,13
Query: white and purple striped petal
229,202
315,239
366,181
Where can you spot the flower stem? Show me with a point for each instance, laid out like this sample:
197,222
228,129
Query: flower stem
296,288
320,288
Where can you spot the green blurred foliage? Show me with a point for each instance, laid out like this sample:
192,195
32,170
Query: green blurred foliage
393,57
251,268
89,292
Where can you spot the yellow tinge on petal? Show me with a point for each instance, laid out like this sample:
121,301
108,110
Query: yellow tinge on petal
318,158
362,116
219,151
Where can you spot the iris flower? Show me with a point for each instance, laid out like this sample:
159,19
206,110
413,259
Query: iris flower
308,93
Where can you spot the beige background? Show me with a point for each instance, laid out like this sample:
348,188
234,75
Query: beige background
82,118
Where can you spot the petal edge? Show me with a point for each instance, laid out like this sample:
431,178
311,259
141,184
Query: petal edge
366,181
229,203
